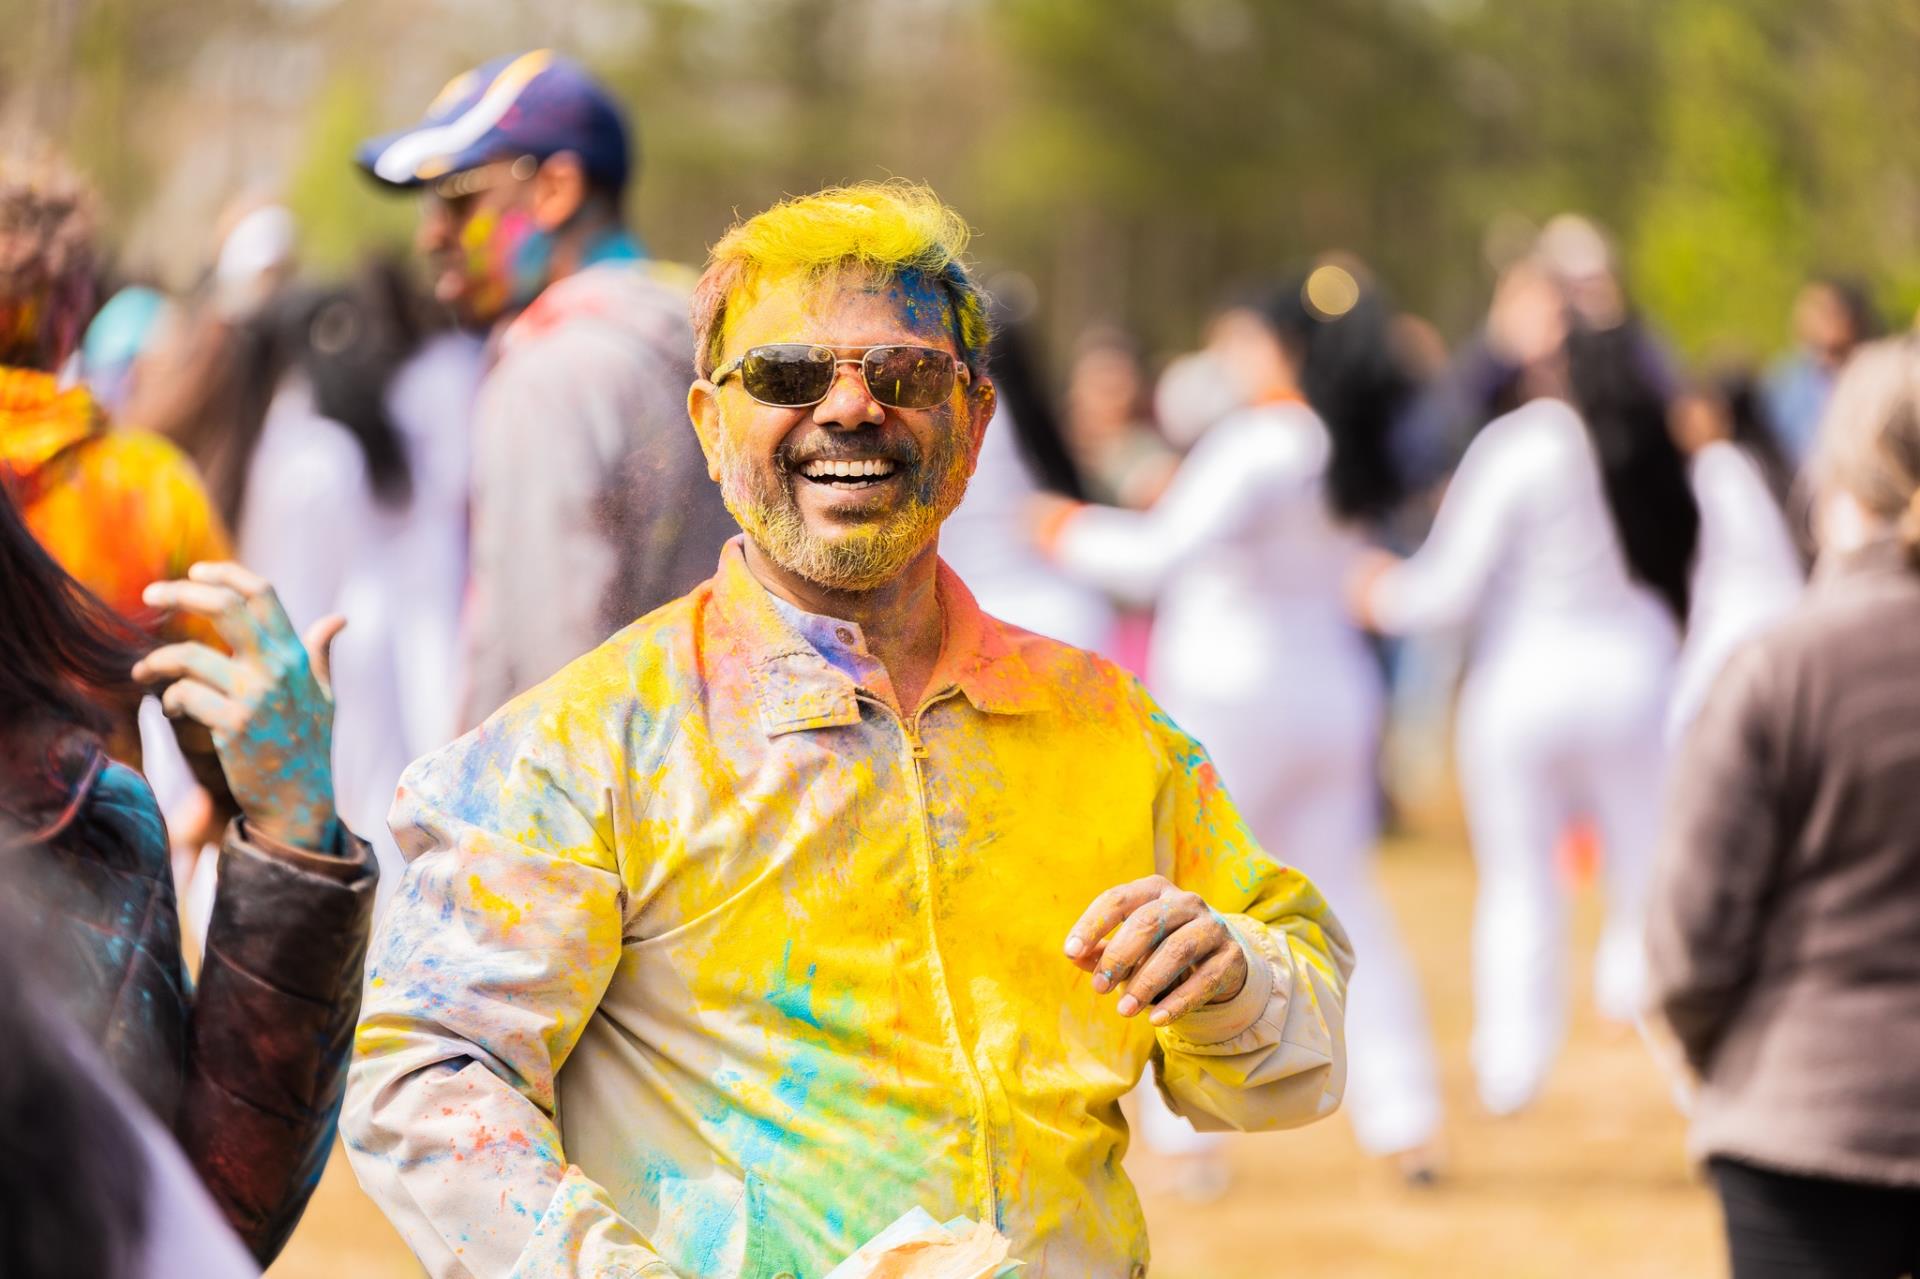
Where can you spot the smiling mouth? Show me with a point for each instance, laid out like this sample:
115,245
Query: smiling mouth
850,473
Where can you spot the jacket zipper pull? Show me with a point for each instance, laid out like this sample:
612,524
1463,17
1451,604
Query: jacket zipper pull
918,747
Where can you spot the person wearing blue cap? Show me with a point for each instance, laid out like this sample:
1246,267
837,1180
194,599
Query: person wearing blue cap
591,502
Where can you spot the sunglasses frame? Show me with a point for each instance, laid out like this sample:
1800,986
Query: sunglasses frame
961,373
455,188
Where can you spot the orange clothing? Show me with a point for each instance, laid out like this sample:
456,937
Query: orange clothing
117,508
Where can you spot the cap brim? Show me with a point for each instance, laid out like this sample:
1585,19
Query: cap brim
416,174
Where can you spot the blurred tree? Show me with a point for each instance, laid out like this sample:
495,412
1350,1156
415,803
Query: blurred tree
1721,240
341,214
1135,158
1166,152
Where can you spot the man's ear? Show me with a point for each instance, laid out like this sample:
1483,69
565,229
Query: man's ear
982,398
559,189
703,407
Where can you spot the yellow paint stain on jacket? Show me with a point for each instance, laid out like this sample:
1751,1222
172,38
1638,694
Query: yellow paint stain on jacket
751,977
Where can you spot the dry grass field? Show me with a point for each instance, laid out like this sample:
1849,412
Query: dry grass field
1591,1182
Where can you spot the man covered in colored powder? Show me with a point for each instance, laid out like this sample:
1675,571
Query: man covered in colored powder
588,506
817,896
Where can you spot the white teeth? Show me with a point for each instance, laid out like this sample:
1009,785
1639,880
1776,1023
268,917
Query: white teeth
863,469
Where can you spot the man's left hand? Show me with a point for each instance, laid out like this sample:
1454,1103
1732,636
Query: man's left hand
1167,948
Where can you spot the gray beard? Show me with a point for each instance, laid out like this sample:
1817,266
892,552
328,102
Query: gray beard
866,556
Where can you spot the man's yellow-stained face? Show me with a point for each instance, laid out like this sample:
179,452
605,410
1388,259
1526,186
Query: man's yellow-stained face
847,492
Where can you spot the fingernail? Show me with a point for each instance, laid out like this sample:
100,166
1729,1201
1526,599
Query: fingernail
1160,1017
1100,983
1127,1006
1075,948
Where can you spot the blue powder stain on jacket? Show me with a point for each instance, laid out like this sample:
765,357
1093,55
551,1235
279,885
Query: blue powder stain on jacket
795,999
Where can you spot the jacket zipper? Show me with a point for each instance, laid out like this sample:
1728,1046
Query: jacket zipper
976,1086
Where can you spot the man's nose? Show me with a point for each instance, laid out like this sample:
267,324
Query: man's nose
848,404
434,231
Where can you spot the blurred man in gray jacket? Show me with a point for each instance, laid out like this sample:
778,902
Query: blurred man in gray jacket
591,502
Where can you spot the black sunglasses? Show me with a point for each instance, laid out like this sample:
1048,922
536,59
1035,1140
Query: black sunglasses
796,375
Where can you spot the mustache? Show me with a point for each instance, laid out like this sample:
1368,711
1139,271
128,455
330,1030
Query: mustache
792,454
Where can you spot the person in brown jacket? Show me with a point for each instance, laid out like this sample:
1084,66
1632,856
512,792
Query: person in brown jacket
1784,936
247,1066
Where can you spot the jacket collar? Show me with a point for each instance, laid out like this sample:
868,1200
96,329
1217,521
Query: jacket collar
1881,557
797,688
47,770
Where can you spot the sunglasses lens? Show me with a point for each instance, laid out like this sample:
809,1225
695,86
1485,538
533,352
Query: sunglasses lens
909,377
790,374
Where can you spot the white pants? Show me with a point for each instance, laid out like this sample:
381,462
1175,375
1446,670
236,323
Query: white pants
1299,761
1554,728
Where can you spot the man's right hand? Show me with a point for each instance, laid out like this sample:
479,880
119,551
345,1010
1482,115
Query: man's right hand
268,704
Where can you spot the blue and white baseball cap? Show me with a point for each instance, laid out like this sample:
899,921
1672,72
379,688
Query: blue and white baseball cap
536,104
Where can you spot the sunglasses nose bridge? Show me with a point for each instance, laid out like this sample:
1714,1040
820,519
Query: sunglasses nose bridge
849,401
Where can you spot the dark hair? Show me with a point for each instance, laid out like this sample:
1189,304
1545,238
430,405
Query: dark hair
1738,388
1641,470
49,217
1352,376
1036,426
1855,299
348,340
63,653
352,342
73,1177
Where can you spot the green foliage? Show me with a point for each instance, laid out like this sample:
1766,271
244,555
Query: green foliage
1721,240
1136,158
342,215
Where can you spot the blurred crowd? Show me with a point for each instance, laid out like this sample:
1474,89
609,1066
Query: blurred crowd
1338,548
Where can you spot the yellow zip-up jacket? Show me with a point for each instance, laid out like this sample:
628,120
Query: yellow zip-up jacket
709,962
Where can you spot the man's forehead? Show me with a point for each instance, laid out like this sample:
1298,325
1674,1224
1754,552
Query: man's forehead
854,306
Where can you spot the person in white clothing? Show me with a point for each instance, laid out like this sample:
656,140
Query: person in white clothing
1574,574
336,432
357,496
1246,556
1749,572
1022,456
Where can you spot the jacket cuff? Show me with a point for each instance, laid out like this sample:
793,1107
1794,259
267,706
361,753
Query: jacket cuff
1217,1023
346,860
297,917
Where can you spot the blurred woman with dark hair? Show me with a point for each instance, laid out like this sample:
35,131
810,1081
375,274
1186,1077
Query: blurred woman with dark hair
246,1065
1245,556
1749,571
1024,453
1567,539
334,426
282,406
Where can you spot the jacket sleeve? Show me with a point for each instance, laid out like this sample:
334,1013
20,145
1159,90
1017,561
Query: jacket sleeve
271,1026
492,957
1273,1056
1719,860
